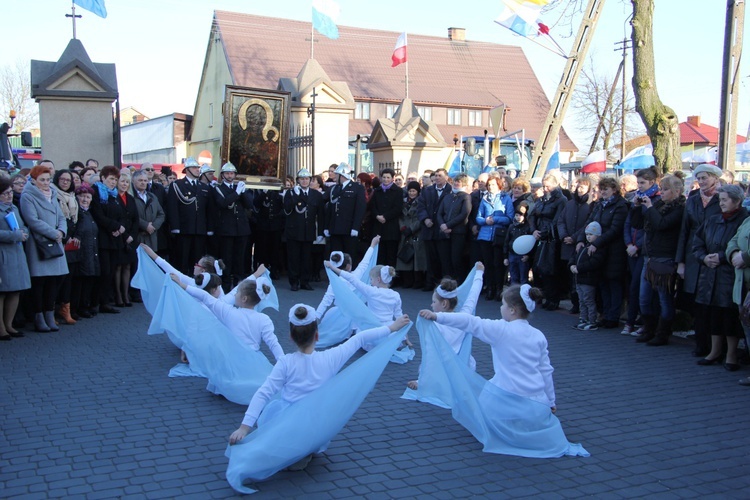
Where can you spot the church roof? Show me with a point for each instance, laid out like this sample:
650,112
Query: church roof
464,74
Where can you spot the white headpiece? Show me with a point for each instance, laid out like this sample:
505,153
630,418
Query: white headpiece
446,294
259,282
308,319
206,279
385,274
341,261
217,267
530,304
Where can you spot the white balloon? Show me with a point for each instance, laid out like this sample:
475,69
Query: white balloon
524,244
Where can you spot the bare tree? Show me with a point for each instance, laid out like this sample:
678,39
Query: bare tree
15,92
590,104
660,120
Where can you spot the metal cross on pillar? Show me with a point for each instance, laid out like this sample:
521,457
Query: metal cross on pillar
311,114
73,16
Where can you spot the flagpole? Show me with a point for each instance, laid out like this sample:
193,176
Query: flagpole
407,65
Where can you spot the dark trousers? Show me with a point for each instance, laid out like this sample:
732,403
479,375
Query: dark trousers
519,270
346,244
190,248
268,250
611,290
451,253
388,252
108,259
299,255
233,254
63,291
82,291
44,290
492,258
635,267
434,267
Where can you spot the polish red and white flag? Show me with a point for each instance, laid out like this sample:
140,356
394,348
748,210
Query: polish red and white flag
399,53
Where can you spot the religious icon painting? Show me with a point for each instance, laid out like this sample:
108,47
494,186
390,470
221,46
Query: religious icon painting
256,135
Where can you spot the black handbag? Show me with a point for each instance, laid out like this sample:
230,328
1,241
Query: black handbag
406,254
47,248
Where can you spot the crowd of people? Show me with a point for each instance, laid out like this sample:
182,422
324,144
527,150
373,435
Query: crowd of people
641,246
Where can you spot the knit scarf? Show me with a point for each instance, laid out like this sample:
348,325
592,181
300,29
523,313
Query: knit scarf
708,195
104,192
68,205
729,215
650,192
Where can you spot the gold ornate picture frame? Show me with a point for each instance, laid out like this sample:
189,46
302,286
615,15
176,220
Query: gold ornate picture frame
256,135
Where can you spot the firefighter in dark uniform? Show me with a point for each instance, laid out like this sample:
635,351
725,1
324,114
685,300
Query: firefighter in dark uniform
189,210
304,209
269,209
233,228
345,211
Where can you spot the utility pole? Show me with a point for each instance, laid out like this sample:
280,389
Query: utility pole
730,88
624,45
606,107
546,144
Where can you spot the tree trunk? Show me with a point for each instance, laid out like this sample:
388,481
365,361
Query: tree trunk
660,120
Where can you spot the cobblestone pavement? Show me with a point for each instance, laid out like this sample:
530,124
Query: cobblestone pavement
90,412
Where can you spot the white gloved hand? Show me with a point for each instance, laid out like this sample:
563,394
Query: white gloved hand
326,233
297,190
209,233
354,233
319,240
175,231
240,187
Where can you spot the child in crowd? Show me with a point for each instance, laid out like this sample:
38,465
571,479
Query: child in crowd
296,375
241,319
518,265
519,351
586,268
445,299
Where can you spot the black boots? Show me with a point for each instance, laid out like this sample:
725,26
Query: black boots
649,328
662,333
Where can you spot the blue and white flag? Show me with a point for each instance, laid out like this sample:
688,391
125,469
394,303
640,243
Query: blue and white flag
325,13
554,160
641,157
95,6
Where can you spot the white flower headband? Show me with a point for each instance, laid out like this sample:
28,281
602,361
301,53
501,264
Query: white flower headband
217,267
385,274
341,260
530,304
204,283
308,319
445,293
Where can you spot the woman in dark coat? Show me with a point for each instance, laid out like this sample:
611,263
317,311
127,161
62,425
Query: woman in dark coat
63,181
700,205
716,313
610,212
385,208
110,218
14,272
131,222
571,221
86,272
634,239
660,222
413,272
544,217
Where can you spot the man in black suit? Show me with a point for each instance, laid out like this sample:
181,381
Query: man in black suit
269,207
428,205
233,228
189,210
453,216
304,209
158,190
345,211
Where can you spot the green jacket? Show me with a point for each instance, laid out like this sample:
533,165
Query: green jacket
740,242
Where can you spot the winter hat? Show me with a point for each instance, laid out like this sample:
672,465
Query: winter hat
413,185
594,228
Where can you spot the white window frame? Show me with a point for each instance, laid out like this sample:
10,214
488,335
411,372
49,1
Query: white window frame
425,112
475,118
390,110
362,111
454,116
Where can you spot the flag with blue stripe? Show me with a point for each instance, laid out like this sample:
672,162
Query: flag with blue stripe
95,6
324,16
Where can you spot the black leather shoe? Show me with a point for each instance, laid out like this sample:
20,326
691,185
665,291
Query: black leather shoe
17,334
85,314
108,310
708,362
731,367
306,286
295,287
